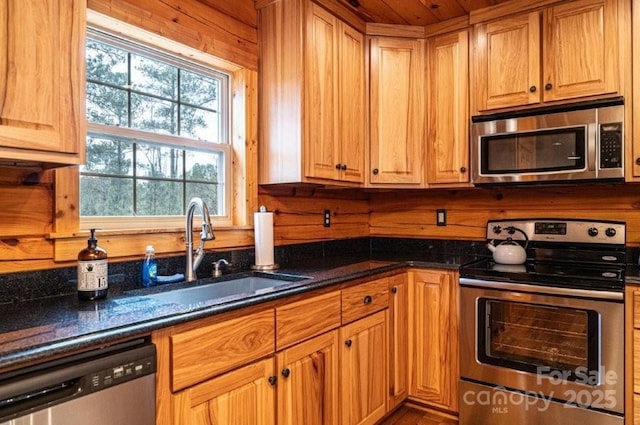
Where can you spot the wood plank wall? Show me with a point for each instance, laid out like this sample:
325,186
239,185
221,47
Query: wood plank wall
413,214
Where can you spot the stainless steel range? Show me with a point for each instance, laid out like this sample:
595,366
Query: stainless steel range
543,342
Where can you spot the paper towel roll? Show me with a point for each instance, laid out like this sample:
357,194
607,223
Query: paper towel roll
263,235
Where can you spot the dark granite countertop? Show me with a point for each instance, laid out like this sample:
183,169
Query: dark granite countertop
38,329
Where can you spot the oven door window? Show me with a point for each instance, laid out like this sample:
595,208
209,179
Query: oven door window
538,339
554,150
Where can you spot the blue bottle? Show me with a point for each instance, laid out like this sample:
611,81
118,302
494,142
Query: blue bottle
149,268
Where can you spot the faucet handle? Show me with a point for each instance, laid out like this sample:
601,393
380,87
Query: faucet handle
216,267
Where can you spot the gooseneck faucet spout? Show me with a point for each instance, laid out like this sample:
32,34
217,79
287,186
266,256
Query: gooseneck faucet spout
205,235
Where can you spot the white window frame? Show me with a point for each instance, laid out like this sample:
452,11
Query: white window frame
185,54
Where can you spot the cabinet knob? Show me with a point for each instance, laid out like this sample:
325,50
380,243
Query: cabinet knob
463,169
273,380
286,372
638,160
338,166
375,171
344,167
548,86
367,299
394,290
533,89
348,343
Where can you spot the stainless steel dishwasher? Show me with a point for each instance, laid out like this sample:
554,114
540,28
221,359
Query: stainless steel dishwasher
114,385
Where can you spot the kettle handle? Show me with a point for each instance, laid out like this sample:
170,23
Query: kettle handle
512,229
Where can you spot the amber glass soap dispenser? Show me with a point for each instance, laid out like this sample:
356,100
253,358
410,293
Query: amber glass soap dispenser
92,271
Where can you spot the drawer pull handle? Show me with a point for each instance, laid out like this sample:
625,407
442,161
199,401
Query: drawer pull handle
348,343
286,372
273,380
368,299
394,290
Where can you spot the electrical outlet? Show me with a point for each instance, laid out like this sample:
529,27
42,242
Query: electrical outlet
441,217
327,218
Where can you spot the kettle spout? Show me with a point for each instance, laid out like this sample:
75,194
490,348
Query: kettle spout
491,247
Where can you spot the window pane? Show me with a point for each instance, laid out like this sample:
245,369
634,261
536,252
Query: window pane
105,196
107,105
157,197
209,194
106,63
199,124
199,90
204,166
154,77
158,161
108,155
150,114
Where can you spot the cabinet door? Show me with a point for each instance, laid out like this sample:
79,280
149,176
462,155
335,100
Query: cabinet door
351,119
241,397
308,382
363,370
397,111
580,49
42,80
398,340
321,91
508,62
448,109
434,337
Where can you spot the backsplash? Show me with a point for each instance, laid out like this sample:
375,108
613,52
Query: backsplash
124,276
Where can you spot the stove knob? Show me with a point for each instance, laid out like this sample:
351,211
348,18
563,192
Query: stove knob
593,232
610,232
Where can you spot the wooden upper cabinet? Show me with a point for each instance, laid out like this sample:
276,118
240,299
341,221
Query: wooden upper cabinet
580,49
508,62
334,80
448,109
42,117
312,111
561,52
397,77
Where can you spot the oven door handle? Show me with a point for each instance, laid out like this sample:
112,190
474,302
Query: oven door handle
545,290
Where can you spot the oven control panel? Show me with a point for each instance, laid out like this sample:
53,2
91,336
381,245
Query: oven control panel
559,230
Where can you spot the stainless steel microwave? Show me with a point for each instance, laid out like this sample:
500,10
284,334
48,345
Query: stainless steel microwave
550,144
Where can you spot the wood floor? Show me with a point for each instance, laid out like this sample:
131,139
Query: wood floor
407,415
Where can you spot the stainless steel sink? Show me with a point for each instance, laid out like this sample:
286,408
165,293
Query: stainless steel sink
241,286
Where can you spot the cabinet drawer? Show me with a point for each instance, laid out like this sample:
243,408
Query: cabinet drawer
205,352
361,300
303,319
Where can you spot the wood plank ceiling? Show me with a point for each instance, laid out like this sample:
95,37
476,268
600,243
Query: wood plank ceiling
414,12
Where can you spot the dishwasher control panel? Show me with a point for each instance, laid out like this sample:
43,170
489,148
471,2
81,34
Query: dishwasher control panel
119,373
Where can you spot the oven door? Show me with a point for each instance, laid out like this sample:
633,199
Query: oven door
565,346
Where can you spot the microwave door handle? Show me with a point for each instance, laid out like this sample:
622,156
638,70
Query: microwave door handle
592,142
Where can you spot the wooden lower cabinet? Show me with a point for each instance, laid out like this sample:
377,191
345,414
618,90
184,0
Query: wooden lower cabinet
398,340
241,397
433,337
307,385
363,370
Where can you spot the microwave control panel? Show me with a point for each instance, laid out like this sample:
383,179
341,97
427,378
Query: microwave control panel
611,145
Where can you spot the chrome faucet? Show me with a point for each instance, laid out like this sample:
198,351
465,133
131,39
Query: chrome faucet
216,267
205,235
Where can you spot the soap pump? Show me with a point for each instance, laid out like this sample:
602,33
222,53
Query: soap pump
92,271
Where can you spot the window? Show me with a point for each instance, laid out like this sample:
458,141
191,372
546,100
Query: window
158,134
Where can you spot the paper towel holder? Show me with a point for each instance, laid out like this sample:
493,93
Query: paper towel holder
265,267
